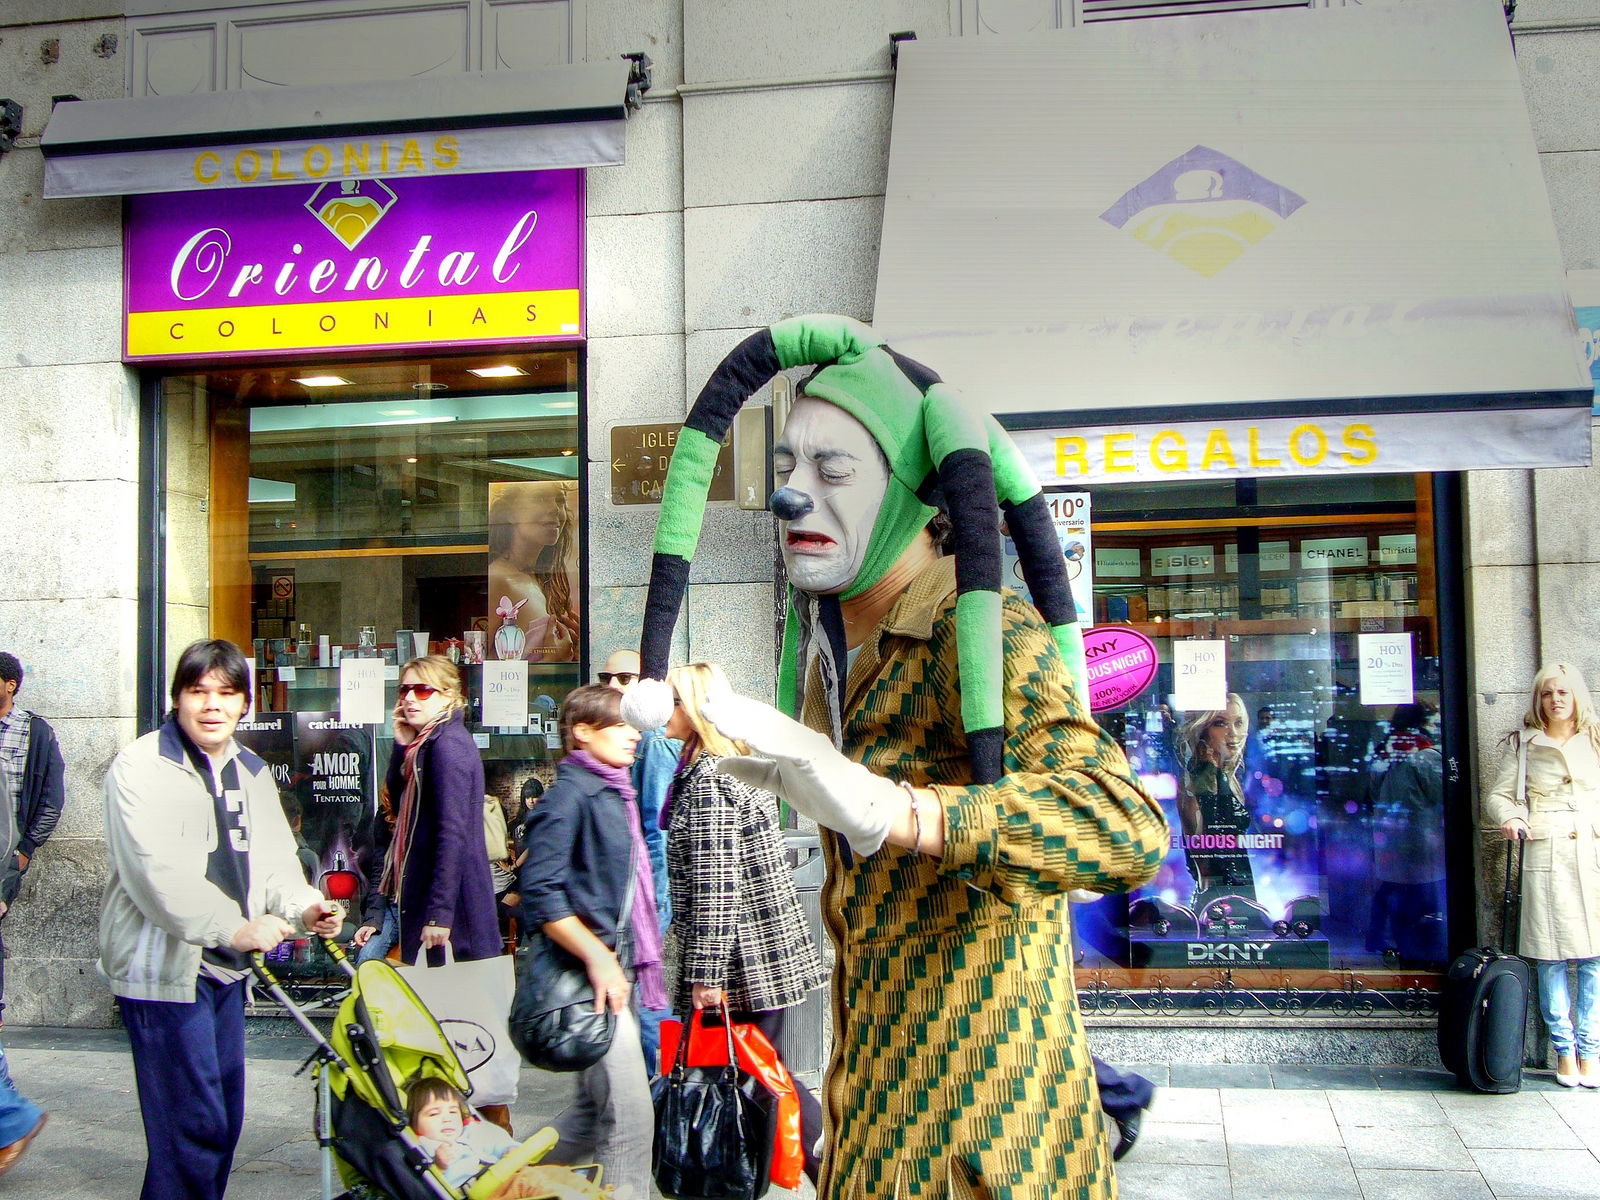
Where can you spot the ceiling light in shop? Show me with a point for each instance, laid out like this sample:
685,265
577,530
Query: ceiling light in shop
313,381
411,460
505,371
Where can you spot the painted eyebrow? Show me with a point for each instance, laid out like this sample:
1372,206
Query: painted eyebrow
820,456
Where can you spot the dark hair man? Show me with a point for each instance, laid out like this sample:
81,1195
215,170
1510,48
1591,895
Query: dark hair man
203,872
32,777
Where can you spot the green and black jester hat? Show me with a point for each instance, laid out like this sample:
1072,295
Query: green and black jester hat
932,443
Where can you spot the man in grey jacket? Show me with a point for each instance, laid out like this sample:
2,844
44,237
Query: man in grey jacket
203,873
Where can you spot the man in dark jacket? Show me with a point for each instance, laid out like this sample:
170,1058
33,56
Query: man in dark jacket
32,778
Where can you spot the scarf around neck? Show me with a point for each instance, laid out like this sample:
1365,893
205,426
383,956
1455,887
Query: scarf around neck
405,821
645,924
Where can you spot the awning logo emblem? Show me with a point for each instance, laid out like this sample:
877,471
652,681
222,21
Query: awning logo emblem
1203,210
351,208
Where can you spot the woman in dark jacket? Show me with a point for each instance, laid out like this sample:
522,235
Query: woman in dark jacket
742,933
588,887
433,868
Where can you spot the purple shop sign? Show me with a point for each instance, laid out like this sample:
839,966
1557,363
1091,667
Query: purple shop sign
342,264
1122,664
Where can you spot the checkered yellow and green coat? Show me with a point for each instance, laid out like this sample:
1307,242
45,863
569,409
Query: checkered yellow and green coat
959,1067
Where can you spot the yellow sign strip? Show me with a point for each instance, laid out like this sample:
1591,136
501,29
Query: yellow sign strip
407,320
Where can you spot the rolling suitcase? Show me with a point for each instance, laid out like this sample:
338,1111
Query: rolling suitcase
1483,1007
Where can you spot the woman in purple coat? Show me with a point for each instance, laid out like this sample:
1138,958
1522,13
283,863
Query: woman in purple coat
434,868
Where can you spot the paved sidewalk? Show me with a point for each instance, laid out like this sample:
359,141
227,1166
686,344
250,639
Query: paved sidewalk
1359,1133
1215,1132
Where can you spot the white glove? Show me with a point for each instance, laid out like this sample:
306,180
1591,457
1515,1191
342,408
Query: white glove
647,704
802,766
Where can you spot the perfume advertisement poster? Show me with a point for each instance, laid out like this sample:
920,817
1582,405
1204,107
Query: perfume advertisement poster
271,735
336,787
533,571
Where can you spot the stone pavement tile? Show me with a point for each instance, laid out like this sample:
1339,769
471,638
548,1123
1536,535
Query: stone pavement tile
1163,1181
1414,1079
1521,1129
1180,1143
1288,1100
1187,1105
1520,1174
1422,1185
1220,1075
1321,1078
1156,1073
1430,1147
1386,1108
1323,1172
1256,1126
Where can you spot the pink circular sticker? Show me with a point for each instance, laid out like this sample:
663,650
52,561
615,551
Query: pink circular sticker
1122,663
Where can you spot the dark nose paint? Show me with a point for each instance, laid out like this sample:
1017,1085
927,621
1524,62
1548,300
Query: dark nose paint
790,504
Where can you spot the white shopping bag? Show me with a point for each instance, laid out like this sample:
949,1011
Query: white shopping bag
471,1001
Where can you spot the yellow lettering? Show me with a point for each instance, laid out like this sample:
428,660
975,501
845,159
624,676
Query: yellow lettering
383,157
1071,450
1360,445
1119,454
276,171
1256,460
1177,459
1218,451
410,156
318,160
1318,439
207,167
246,166
446,152
357,158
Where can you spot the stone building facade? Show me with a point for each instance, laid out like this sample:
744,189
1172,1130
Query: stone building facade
753,190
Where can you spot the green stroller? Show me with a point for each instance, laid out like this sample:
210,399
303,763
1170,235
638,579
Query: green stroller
383,1040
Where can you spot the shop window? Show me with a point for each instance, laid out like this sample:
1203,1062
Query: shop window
1307,810
377,510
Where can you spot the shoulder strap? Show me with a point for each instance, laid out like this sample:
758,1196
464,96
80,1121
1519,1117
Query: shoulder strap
1522,772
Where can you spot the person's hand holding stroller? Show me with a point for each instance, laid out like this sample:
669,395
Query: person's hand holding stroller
263,933
324,918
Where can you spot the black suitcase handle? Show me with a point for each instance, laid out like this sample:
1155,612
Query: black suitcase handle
1511,931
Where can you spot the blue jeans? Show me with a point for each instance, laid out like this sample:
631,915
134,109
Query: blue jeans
380,943
650,1037
1555,1004
18,1114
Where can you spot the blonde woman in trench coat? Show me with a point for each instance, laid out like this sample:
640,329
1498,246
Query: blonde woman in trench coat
1558,811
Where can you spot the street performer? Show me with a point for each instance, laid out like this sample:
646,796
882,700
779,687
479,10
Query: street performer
943,742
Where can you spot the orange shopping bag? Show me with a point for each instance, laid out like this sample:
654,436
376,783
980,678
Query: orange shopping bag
708,1047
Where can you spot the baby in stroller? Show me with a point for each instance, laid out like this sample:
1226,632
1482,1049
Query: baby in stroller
461,1144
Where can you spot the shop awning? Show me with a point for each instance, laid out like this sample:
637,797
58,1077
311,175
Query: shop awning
557,117
1237,218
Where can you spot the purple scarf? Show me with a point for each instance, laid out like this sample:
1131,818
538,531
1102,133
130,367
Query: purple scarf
646,924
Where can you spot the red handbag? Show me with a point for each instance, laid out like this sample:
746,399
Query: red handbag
708,1047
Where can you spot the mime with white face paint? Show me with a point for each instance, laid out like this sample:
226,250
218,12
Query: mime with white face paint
942,743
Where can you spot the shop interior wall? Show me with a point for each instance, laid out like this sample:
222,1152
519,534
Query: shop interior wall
69,453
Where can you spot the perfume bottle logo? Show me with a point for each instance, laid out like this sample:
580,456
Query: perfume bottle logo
351,208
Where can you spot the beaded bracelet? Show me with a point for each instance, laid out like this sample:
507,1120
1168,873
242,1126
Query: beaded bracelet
916,816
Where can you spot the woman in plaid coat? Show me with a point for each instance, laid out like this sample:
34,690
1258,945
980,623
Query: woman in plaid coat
741,934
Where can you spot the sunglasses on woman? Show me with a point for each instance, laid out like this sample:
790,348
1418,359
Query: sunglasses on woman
422,691
622,677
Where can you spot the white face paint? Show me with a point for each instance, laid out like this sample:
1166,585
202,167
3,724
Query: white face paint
828,455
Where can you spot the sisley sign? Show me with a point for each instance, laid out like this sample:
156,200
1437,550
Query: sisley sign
354,264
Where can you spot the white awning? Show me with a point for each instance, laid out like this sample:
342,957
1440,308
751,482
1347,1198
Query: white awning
553,118
1208,218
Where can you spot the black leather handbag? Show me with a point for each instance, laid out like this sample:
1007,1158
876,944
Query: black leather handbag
553,1023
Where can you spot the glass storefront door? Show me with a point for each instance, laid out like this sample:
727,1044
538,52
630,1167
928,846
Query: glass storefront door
1307,807
377,510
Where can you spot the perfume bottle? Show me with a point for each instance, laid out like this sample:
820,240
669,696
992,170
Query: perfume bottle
339,882
508,639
